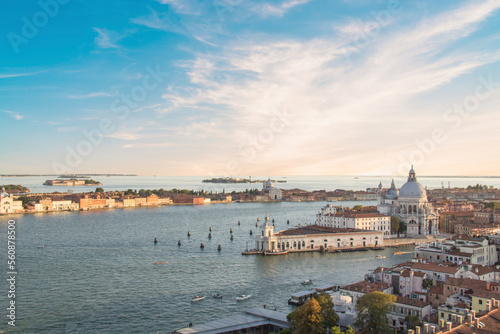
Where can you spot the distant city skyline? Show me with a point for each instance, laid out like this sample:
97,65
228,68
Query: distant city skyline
236,88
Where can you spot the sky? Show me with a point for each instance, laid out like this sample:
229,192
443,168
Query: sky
239,87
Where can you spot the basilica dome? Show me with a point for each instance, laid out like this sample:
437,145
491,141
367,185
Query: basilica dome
412,189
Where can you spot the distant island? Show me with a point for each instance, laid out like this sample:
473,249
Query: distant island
237,180
12,188
64,176
72,182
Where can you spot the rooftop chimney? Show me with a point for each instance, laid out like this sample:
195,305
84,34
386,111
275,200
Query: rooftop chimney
460,319
441,324
470,317
433,330
417,330
410,331
449,325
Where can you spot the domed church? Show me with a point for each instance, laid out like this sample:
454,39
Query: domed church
410,205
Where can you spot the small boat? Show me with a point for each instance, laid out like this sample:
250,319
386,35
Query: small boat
242,297
42,246
275,252
380,257
217,295
398,253
197,298
308,282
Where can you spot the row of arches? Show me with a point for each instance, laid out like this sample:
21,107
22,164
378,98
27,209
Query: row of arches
301,244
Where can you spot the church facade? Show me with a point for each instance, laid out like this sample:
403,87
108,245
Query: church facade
411,206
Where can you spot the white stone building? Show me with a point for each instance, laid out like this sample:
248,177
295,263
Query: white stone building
314,237
8,204
411,206
460,250
274,193
338,217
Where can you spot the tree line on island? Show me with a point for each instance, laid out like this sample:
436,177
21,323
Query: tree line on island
317,316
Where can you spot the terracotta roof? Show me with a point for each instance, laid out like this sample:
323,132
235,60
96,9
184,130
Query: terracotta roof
316,229
490,321
437,289
457,252
486,294
412,302
468,283
432,266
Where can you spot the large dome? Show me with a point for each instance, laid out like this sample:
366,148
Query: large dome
412,189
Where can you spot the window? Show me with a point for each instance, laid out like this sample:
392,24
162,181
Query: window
480,302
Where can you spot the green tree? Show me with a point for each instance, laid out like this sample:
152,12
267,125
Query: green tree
330,317
24,199
372,311
427,283
412,321
336,330
307,319
357,208
395,225
491,205
99,190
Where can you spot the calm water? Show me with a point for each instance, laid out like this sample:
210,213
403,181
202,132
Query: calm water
35,184
96,273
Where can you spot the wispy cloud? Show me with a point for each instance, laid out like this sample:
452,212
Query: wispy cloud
22,74
107,39
267,9
14,115
160,21
331,100
92,95
182,6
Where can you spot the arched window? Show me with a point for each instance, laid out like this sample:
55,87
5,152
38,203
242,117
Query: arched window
287,245
303,244
295,244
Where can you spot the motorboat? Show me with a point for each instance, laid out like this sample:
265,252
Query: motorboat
197,298
398,253
242,297
308,282
217,295
380,257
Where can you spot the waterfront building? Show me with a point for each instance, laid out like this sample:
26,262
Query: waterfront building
341,217
152,200
315,237
460,250
87,202
411,206
256,320
268,189
64,205
8,204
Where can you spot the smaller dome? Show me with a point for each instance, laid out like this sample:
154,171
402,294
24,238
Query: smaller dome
392,194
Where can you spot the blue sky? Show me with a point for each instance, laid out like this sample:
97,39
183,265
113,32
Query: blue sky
233,87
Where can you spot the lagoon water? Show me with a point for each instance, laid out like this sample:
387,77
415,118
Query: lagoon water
96,272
